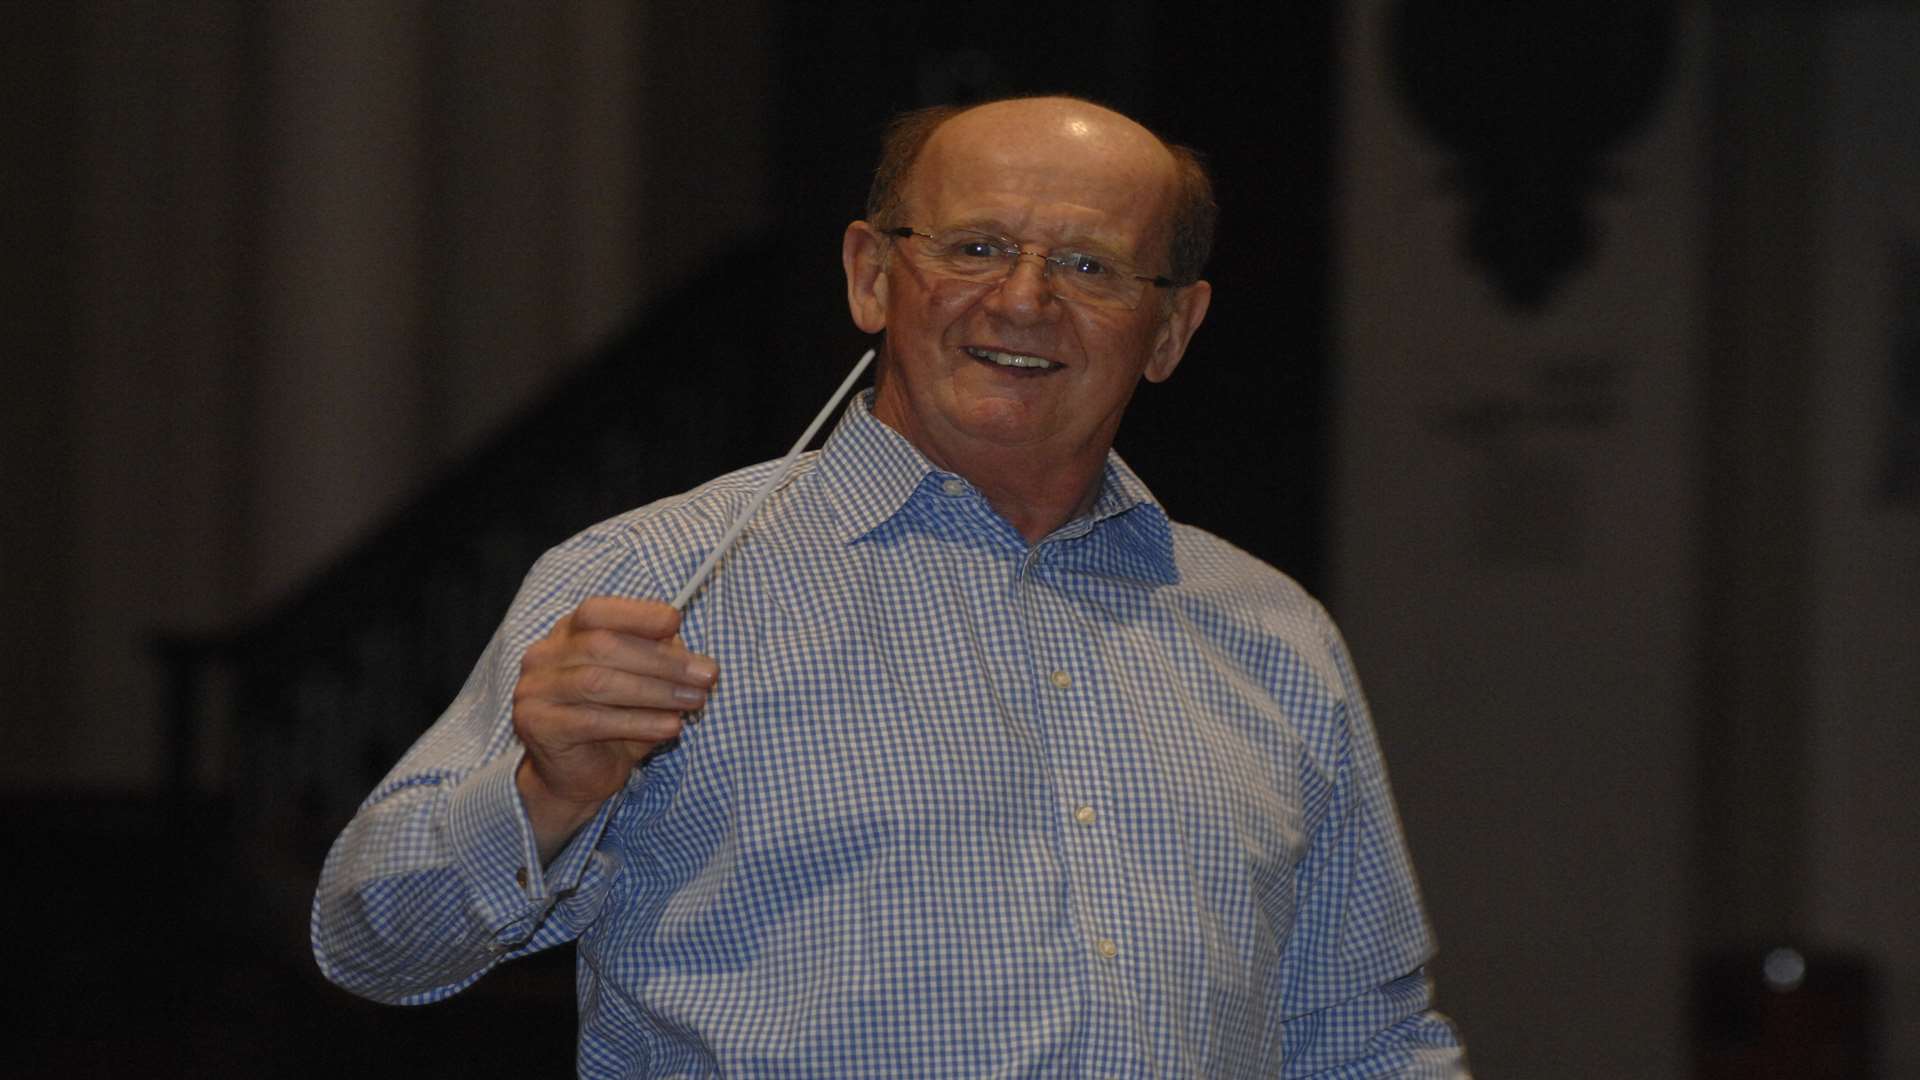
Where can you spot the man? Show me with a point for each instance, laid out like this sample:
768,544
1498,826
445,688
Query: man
968,762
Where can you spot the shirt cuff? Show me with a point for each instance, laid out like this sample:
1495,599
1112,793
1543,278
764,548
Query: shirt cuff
494,847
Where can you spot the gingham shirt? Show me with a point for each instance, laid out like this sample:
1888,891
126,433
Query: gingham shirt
1108,805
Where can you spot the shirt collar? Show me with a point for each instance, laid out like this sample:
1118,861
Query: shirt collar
870,472
868,469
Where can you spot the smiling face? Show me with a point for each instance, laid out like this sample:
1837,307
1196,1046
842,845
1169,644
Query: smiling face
1006,382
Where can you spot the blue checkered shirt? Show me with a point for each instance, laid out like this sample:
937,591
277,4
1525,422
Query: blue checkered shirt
1108,805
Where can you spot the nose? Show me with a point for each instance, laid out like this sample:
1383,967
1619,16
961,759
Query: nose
1025,290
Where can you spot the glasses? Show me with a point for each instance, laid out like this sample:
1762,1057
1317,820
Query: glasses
985,259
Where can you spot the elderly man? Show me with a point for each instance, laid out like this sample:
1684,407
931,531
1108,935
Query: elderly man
968,762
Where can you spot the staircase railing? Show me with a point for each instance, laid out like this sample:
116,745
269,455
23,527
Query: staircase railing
288,721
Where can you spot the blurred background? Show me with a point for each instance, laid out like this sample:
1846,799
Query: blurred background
1570,352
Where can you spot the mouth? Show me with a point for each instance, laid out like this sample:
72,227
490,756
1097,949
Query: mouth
1020,361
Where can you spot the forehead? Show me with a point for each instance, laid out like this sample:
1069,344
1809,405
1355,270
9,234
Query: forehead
1045,169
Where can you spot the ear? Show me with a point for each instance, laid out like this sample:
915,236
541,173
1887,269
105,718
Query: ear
1188,309
863,255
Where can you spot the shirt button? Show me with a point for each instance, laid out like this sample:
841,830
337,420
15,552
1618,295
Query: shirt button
953,485
1105,947
1084,815
1061,679
520,877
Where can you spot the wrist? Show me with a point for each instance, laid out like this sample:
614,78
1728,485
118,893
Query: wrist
554,817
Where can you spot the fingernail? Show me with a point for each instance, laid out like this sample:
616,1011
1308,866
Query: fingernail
690,695
702,671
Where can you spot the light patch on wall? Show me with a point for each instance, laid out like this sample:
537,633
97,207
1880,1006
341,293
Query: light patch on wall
1900,458
1529,492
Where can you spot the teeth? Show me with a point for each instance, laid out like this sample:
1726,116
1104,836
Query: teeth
1005,359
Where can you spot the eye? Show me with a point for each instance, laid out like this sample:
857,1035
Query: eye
1082,263
972,247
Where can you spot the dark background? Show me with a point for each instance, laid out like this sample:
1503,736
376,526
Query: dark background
160,949
153,197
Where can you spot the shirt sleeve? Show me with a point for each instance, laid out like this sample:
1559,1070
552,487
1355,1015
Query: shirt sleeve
437,878
1359,1001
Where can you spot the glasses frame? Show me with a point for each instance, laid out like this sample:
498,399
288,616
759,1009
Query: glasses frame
1016,249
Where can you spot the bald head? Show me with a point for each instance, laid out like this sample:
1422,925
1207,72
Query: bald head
1092,133
1090,130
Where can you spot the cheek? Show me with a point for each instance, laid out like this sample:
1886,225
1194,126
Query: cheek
923,308
1128,336
950,298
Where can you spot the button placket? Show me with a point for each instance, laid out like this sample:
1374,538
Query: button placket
1073,710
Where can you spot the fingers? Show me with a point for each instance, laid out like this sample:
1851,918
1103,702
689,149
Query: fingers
581,752
640,729
620,729
642,682
609,656
624,637
668,660
653,619
603,690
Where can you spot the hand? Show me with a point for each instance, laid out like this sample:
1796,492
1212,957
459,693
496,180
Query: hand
607,685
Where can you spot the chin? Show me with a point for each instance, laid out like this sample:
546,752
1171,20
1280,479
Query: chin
1010,419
